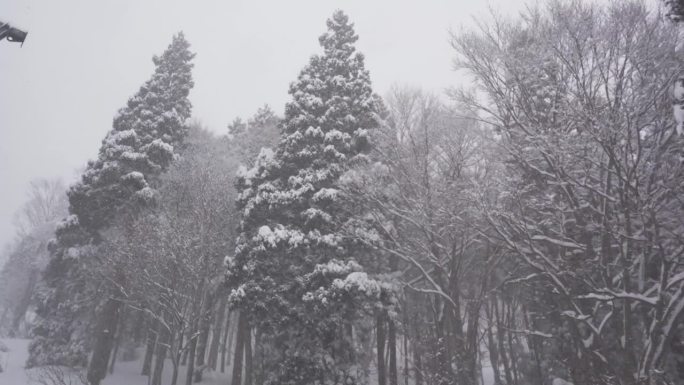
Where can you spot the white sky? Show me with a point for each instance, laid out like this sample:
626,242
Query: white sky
83,59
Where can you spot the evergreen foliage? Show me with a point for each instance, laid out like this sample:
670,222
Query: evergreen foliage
141,144
295,271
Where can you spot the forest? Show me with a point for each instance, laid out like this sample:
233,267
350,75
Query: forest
525,228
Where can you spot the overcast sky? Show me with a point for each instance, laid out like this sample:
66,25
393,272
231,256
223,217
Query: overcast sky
83,59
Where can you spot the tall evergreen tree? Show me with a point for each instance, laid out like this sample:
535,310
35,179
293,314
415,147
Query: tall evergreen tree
142,143
296,272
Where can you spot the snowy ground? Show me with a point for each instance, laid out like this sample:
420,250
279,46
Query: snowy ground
12,362
125,373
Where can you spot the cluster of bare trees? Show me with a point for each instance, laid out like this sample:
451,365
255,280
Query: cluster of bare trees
172,258
536,225
166,265
159,272
596,159
27,255
161,269
429,162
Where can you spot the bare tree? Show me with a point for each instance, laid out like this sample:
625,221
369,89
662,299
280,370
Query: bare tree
418,196
35,224
589,205
166,263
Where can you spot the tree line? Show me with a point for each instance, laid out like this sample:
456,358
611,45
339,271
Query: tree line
525,228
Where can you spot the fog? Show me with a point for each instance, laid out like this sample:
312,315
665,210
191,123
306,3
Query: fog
82,60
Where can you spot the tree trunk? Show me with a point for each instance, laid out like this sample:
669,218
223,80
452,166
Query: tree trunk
471,349
104,340
459,340
493,353
204,326
23,305
4,316
259,357
443,360
139,327
117,340
216,334
418,364
532,341
175,361
510,322
392,335
182,352
239,350
226,343
191,359
380,331
174,375
501,342
248,355
184,360
406,357
175,354
152,334
162,347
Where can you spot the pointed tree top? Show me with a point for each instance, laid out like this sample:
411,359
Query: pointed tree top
178,49
340,37
263,115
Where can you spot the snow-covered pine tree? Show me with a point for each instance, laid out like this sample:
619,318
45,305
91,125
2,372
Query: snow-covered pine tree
141,144
295,273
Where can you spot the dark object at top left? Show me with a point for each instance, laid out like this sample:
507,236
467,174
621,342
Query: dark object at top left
11,33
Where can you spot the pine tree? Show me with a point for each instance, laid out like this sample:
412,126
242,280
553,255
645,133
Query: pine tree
144,140
296,272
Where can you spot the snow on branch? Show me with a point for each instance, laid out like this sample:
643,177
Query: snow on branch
608,295
559,242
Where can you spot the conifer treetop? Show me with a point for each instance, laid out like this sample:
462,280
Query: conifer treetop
168,88
339,40
294,232
324,131
141,143
332,105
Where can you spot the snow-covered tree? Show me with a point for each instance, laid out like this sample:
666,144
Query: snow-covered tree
428,160
141,144
28,254
295,275
261,130
173,254
589,207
